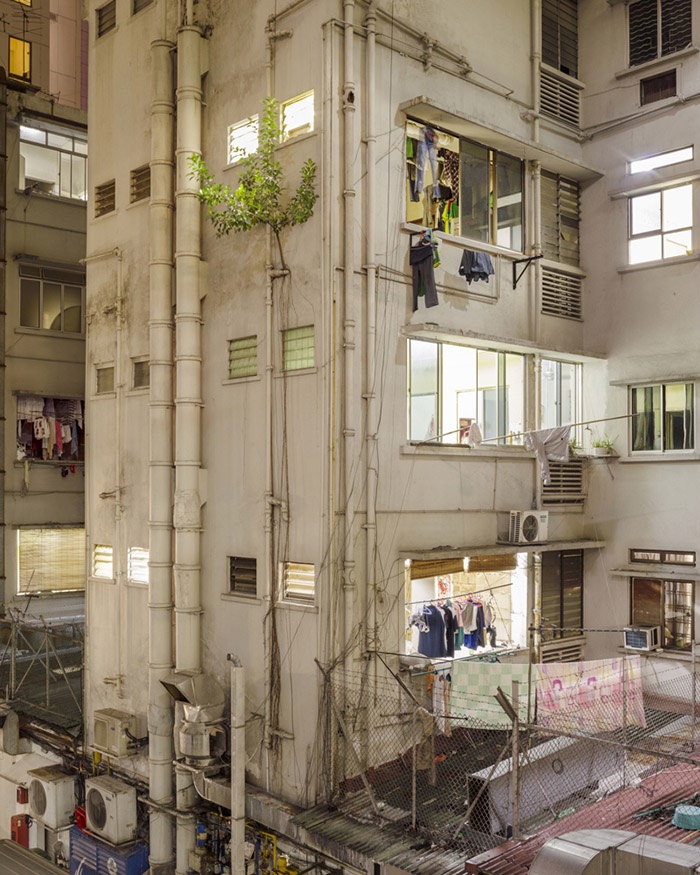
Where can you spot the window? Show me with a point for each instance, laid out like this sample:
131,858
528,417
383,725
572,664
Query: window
51,298
106,18
665,603
50,429
562,593
658,28
663,159
297,116
50,559
657,88
661,224
20,59
25,2
559,393
663,417
463,188
243,357
242,139
560,200
104,380
298,348
138,5
53,159
451,386
105,198
560,35
298,581
138,564
242,576
141,374
664,557
103,561
140,187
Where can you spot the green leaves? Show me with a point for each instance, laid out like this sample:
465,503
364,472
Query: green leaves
259,198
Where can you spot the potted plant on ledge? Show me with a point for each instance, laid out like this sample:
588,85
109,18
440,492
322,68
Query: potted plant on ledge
603,446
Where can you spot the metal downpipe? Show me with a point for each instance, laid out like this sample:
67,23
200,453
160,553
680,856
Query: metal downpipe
160,603
188,501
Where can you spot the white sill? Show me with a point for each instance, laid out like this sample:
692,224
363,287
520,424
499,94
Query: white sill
680,655
465,452
465,242
47,332
240,599
57,198
110,581
307,607
295,371
679,456
233,381
49,594
662,262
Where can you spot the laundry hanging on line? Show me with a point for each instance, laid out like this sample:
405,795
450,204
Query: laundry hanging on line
476,266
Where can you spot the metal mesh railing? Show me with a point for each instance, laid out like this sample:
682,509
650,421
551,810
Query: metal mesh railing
446,762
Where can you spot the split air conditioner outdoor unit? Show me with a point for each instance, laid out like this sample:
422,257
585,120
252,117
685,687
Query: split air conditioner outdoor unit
527,526
51,796
110,809
110,731
642,637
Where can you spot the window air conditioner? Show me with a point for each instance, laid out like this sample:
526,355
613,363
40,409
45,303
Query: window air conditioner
527,526
110,809
51,796
110,731
642,637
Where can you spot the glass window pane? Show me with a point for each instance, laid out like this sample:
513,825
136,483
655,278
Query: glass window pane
569,392
29,293
678,416
509,203
33,134
474,191
80,147
678,243
65,189
458,392
645,213
488,394
60,142
549,394
79,178
423,376
51,310
677,207
72,309
646,418
40,165
645,249
513,398
678,614
647,602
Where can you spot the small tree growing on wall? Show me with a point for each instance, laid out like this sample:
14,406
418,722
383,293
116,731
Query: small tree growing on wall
259,198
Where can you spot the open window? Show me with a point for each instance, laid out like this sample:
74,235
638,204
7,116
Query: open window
50,429
50,559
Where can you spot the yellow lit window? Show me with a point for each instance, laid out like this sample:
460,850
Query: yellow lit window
25,2
20,58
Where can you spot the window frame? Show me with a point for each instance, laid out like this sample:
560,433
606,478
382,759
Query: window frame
104,369
663,450
143,365
37,135
300,592
105,198
545,422
668,625
562,570
106,18
301,361
566,215
301,130
102,562
498,401
48,565
554,38
236,153
659,233
42,274
25,47
244,571
658,35
140,184
137,565
239,345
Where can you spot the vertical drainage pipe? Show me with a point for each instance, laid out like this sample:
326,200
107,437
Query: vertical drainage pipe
348,546
160,468
3,310
371,342
187,515
536,62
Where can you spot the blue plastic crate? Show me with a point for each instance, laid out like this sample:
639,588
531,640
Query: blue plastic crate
99,858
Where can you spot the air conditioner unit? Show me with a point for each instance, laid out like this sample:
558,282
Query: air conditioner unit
642,637
110,728
527,526
110,809
51,796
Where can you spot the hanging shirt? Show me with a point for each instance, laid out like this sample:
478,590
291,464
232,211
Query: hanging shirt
549,443
433,642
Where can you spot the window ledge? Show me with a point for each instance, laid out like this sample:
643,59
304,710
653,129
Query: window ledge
663,262
291,373
47,332
51,463
679,456
233,381
679,655
240,599
465,242
668,60
49,594
465,452
309,608
45,196
110,581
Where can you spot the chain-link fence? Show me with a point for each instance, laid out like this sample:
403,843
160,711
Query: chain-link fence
436,755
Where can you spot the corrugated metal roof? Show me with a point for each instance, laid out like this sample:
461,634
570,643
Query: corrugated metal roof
641,809
16,860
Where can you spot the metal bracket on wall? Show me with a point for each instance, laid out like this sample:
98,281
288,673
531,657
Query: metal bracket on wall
527,262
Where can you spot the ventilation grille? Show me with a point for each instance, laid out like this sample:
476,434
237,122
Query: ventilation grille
566,486
562,650
242,575
561,294
560,98
105,198
140,183
107,18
